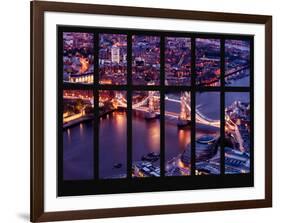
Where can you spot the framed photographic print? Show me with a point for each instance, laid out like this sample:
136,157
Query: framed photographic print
139,111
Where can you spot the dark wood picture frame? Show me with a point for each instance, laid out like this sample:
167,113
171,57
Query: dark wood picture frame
37,110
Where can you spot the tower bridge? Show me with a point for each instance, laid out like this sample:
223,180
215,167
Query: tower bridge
183,117
148,105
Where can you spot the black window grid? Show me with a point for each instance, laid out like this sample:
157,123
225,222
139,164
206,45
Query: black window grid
162,88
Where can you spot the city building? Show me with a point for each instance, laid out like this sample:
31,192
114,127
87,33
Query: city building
115,54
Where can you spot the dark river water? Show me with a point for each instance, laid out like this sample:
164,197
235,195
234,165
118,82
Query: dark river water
78,152
78,140
241,82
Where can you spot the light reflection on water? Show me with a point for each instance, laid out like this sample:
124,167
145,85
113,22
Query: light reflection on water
113,144
78,152
113,141
81,130
183,137
145,136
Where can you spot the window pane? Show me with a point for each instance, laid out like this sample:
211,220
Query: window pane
177,134
145,60
113,134
207,133
237,132
208,62
77,134
146,133
237,63
113,59
177,61
78,59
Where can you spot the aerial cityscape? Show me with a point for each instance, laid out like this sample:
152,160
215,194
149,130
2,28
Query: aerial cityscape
177,61
146,134
237,132
177,134
145,60
113,59
78,134
207,62
237,63
78,107
112,134
78,58
207,133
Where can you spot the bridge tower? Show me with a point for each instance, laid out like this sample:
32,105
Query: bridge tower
151,106
184,116
115,100
118,95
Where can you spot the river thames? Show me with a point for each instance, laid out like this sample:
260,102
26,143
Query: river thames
78,139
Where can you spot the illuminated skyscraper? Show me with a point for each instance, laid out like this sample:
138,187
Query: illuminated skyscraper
115,54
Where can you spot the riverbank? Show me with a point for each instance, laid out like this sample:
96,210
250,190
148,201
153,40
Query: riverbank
101,115
78,121
88,117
